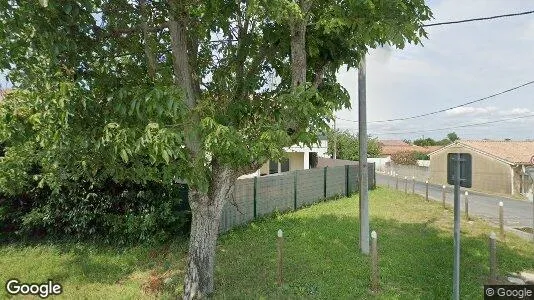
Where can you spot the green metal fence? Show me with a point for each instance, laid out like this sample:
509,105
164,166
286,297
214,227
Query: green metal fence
258,196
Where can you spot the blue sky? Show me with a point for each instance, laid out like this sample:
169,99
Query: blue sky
457,64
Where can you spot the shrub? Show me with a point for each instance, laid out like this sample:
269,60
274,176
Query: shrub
116,213
57,178
404,158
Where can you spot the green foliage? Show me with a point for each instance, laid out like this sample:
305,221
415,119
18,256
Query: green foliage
451,137
115,213
93,111
425,142
421,156
347,145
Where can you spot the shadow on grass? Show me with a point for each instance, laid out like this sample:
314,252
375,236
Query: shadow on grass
322,259
91,262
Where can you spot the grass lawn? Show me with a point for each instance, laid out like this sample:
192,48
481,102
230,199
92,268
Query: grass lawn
321,257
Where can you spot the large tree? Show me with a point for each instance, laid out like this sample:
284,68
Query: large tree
204,91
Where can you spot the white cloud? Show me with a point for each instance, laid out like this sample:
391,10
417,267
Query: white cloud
471,111
515,111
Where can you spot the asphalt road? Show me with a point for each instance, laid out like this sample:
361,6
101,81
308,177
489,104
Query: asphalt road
517,213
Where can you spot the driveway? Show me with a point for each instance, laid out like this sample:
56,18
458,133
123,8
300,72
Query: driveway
517,213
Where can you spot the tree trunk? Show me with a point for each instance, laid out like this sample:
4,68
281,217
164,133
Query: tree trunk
202,244
206,211
298,44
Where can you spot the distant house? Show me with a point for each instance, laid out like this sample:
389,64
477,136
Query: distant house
298,157
498,166
391,147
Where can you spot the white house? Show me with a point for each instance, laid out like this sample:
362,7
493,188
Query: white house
298,157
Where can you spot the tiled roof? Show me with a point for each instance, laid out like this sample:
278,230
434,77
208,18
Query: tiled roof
513,152
433,148
517,152
389,150
392,143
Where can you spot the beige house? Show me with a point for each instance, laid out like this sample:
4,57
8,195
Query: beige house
498,166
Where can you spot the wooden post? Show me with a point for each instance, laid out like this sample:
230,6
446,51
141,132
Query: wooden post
426,193
375,278
280,256
493,258
397,182
466,200
413,184
443,195
501,219
405,184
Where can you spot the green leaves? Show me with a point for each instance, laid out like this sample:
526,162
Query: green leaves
85,94
124,155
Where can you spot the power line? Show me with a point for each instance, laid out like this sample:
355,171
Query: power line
446,109
479,19
459,126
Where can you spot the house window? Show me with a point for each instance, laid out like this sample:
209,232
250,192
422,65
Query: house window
273,167
284,164
314,160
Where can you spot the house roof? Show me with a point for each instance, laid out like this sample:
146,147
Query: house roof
431,149
512,152
389,147
393,143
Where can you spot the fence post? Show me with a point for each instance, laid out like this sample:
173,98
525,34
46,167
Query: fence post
501,218
255,194
280,256
375,277
493,258
406,184
295,190
426,193
397,182
413,184
466,205
347,180
324,175
443,195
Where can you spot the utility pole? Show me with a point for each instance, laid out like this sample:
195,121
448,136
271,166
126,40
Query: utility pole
364,193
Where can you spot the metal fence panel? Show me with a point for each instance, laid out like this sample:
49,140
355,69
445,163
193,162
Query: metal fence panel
335,181
241,209
274,193
353,180
310,186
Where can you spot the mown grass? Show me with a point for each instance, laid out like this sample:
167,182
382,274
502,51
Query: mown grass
321,257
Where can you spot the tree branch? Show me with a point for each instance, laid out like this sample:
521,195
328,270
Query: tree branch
297,25
182,69
319,75
150,57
